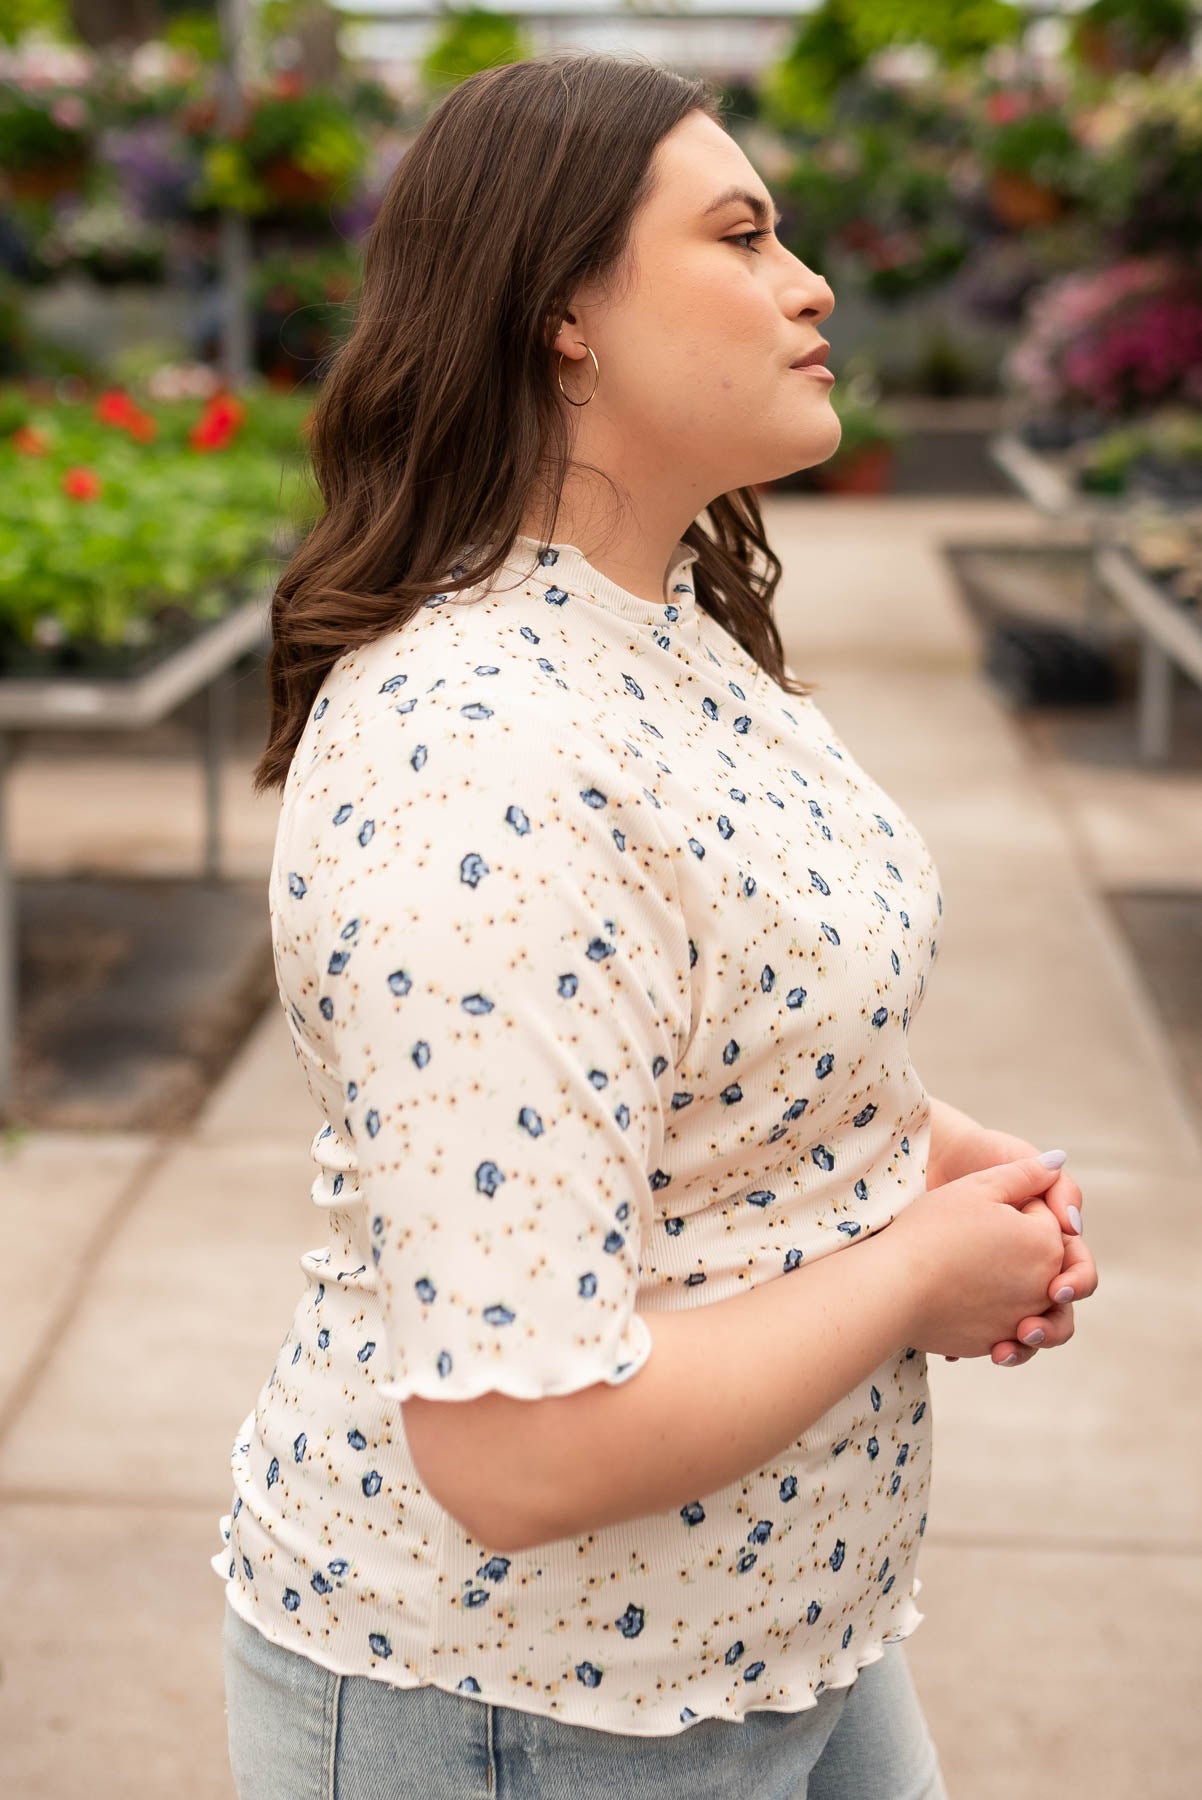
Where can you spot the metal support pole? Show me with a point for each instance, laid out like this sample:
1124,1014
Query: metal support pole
1096,597
235,229
8,945
217,733
1155,700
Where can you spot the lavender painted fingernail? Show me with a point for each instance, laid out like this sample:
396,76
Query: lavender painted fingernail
1035,1337
1052,1159
1063,1295
1007,1360
1074,1213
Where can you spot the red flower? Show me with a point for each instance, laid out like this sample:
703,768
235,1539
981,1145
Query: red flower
113,407
30,441
116,408
218,423
1005,105
81,484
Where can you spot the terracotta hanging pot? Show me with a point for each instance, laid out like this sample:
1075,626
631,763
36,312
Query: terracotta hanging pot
865,471
44,181
291,185
1104,52
1019,200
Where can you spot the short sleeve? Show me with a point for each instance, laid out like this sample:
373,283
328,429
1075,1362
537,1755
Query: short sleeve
502,978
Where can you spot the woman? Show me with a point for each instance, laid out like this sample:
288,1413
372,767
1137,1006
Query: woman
599,952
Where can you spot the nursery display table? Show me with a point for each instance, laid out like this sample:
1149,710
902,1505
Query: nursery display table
1170,633
122,703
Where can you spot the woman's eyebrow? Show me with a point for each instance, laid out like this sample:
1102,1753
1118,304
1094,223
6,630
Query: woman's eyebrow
756,206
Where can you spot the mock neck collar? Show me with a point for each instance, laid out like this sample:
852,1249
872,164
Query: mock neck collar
565,565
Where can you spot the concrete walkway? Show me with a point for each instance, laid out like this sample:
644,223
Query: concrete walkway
151,1279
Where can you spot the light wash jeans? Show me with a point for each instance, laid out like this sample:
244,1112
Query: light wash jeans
300,1732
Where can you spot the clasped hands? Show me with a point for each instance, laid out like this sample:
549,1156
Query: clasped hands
981,1148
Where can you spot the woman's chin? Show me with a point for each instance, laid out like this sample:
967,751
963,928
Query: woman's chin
810,458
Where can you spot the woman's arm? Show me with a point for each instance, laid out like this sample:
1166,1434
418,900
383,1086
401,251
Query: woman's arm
949,1127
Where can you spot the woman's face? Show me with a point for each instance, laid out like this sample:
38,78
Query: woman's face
695,395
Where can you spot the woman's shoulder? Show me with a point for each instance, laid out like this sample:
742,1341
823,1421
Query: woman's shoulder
470,690
455,669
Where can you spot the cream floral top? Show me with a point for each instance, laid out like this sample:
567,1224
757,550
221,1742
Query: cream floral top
598,952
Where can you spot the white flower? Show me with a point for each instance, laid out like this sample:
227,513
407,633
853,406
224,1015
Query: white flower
48,632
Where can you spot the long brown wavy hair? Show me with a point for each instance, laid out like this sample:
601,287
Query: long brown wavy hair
438,422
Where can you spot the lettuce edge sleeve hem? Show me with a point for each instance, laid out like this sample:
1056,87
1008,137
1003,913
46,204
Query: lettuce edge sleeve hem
635,1341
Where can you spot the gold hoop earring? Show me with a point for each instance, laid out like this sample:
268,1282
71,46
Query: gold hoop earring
559,378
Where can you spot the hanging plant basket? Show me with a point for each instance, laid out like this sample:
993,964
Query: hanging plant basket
45,181
1104,51
291,186
1019,200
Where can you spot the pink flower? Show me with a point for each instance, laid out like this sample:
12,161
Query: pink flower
1119,337
69,112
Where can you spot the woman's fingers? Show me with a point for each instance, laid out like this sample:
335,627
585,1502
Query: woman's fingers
1078,1279
1057,1325
1059,1198
1078,1271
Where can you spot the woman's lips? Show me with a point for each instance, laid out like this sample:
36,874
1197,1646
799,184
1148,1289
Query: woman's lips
813,369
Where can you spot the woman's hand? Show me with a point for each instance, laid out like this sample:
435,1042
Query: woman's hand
974,1148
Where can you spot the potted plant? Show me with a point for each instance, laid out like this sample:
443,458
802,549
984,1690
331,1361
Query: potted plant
1145,173
1109,37
1029,154
127,523
1168,463
301,310
1104,465
1113,343
45,139
906,234
863,462
296,148
107,241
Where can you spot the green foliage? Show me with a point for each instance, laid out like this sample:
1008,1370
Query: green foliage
959,31
198,31
31,137
314,132
1139,31
1142,187
1168,438
882,202
863,425
53,17
471,40
172,526
1040,144
835,42
801,88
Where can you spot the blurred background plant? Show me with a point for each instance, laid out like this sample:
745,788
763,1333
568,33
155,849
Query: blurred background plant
125,513
1004,198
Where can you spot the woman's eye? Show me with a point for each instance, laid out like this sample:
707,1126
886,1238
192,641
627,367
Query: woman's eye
747,237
